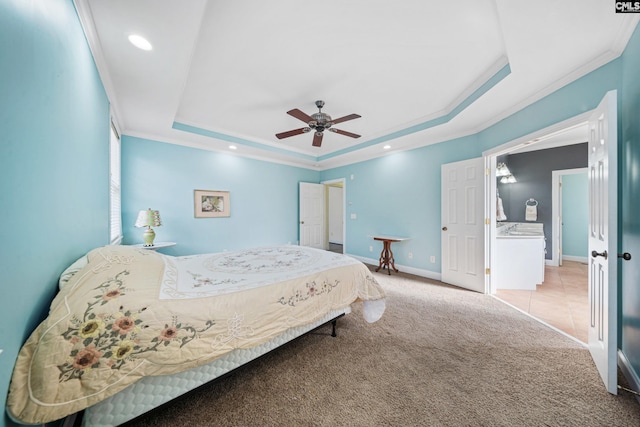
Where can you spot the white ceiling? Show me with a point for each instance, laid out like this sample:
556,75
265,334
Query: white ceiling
417,71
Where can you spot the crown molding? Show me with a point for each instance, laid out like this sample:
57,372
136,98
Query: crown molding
83,9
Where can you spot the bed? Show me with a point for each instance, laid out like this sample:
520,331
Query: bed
127,321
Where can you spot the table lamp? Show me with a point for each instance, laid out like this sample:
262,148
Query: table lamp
147,219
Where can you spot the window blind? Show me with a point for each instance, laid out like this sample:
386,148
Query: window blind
115,214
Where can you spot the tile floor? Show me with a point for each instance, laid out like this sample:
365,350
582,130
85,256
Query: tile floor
561,301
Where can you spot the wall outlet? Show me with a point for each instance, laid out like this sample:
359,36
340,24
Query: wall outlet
410,255
354,216
370,248
432,259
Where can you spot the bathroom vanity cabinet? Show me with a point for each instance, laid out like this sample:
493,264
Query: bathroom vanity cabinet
520,249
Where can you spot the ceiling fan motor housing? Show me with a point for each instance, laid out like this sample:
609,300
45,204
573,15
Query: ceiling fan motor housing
321,121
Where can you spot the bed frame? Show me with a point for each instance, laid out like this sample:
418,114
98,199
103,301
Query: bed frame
141,397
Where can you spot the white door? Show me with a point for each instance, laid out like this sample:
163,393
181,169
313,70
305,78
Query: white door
312,215
463,224
603,244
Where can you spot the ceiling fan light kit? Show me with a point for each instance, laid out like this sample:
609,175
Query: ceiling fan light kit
319,122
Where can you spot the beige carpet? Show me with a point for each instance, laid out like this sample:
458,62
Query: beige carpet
440,356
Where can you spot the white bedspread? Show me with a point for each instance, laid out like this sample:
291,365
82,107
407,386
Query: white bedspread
222,273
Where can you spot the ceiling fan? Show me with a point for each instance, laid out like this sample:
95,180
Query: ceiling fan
319,122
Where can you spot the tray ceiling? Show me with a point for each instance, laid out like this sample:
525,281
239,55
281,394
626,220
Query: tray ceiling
418,72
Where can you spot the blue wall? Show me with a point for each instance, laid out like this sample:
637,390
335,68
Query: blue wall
629,199
575,222
54,147
264,197
399,194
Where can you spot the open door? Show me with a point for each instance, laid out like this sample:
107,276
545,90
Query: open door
603,242
312,231
463,224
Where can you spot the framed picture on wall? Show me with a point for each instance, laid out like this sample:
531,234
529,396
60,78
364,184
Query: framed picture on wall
211,204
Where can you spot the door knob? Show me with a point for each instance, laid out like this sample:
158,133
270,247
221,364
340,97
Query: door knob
444,228
301,222
626,256
603,254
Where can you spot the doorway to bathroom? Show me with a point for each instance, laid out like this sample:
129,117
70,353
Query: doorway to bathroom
540,167
602,161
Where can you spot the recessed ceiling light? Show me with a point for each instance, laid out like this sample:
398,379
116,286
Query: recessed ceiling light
233,147
386,147
140,42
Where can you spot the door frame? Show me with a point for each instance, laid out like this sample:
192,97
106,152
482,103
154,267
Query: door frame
343,184
556,208
533,138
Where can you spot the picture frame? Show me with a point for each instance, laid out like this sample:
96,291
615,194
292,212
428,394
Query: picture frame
211,204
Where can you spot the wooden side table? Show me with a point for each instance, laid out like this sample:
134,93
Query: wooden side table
386,256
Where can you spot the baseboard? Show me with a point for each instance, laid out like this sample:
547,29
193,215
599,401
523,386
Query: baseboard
629,373
581,259
403,268
554,262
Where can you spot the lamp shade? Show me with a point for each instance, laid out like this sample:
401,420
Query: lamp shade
148,218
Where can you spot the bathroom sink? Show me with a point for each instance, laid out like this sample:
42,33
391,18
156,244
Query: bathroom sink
520,229
523,233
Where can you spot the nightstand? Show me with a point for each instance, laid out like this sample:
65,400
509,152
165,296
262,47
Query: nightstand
155,246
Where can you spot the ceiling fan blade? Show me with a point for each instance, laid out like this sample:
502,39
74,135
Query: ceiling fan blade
345,118
345,133
317,139
292,133
300,115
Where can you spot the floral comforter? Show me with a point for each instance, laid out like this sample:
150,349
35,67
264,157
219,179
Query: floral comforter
130,313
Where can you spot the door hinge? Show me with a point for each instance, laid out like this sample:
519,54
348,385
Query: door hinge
487,271
487,221
487,171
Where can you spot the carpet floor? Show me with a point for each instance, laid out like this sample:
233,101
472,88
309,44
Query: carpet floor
440,356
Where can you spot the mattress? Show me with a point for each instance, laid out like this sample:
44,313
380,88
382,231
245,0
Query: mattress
151,392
